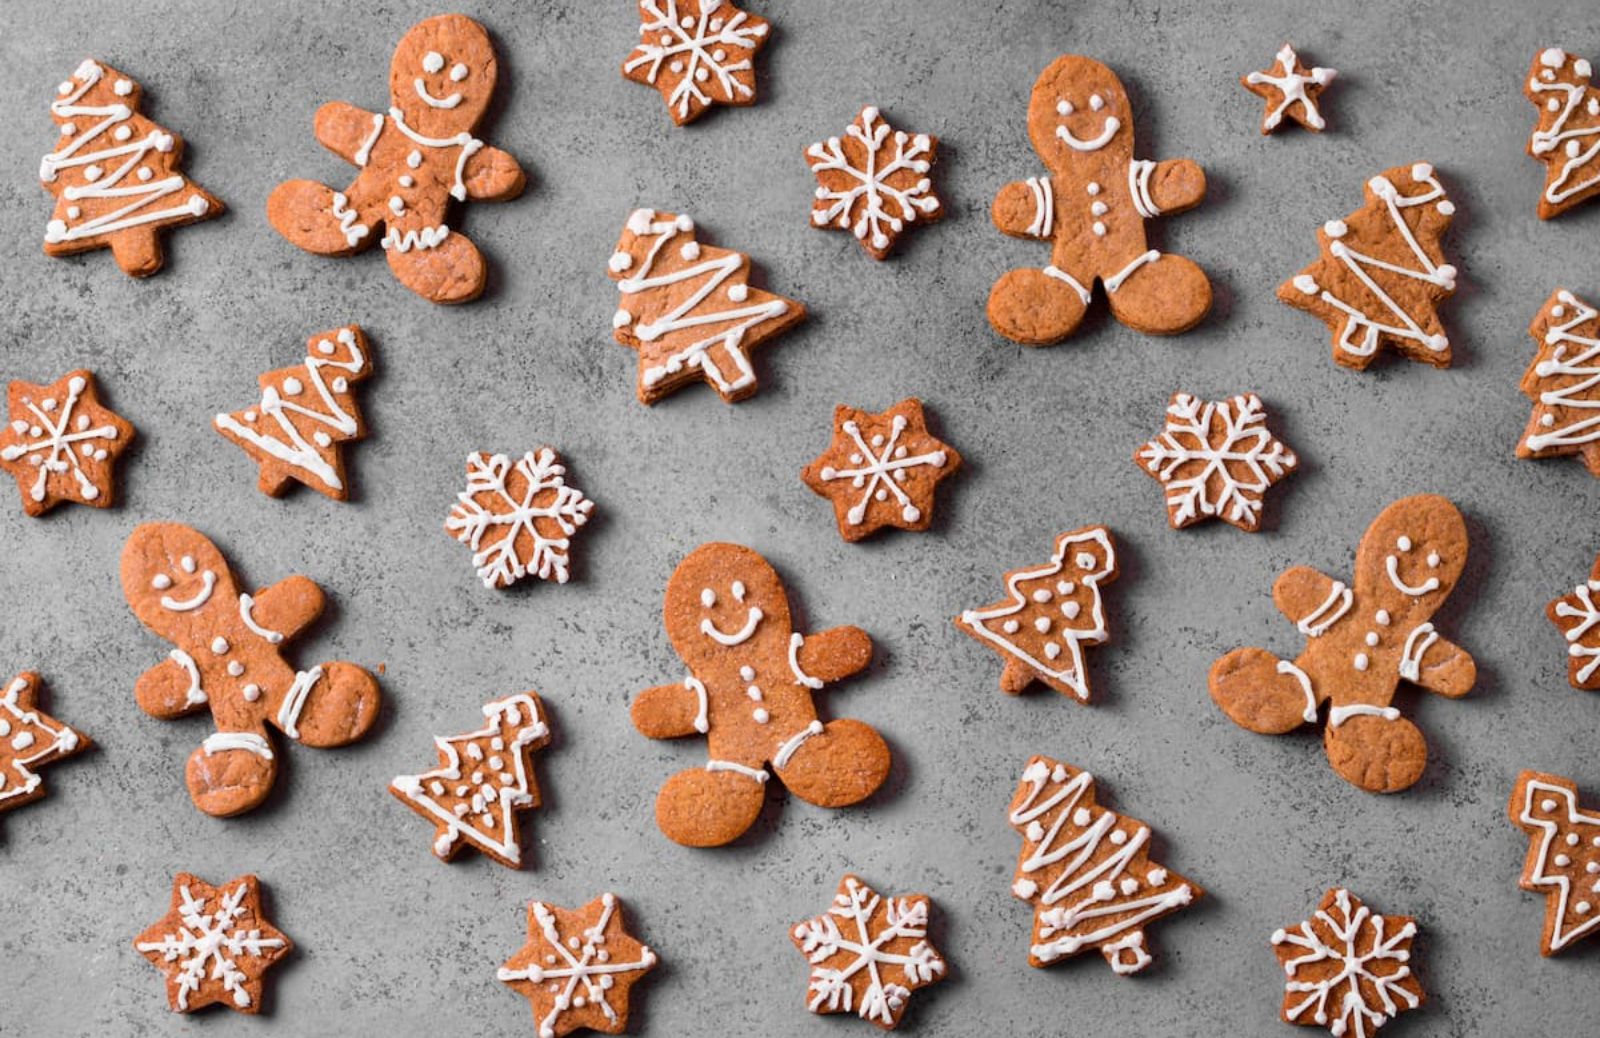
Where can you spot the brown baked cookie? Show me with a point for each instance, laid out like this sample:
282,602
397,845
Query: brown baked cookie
697,53
227,656
413,162
518,517
116,176
214,945
1563,860
689,309
1361,641
881,469
578,968
868,953
1567,137
1563,381
294,432
61,443
29,739
1290,90
1092,208
750,691
1382,274
1577,616
1347,968
1050,613
864,188
483,782
1216,459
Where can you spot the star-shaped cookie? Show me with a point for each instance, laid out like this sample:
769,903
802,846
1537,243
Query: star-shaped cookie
881,469
1216,459
697,53
578,967
1347,968
1290,90
29,738
61,443
214,945
873,182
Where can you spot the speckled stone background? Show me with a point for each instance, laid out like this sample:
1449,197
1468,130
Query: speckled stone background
391,941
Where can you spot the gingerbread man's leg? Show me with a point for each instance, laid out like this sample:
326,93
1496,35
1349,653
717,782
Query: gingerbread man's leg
1159,294
321,220
713,805
451,271
332,704
1374,747
1260,692
835,764
1038,307
231,772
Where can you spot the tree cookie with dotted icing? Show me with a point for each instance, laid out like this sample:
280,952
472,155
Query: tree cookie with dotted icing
1563,381
29,740
1563,861
881,469
1567,137
61,443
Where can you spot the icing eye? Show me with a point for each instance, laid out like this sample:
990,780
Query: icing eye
161,582
708,598
1096,102
458,72
738,590
1404,543
432,62
187,562
1433,560
1084,560
1064,107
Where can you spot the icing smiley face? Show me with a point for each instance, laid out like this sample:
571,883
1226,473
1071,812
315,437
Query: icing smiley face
443,75
433,64
708,623
170,576
1416,554
1078,106
738,604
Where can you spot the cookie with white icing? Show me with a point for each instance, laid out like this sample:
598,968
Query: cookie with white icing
697,53
881,469
1563,860
1563,381
873,182
29,740
214,945
1347,968
1567,136
1291,90
61,443
578,968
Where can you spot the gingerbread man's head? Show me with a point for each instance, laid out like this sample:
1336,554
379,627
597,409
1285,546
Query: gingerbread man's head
1411,556
176,581
443,75
726,605
1079,107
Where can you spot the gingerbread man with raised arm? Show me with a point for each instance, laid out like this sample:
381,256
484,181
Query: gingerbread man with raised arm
228,655
749,691
413,161
1092,208
1361,640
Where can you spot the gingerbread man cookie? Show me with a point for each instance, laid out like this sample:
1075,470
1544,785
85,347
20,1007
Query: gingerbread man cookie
1362,639
62,443
1092,208
227,654
413,161
749,691
1567,138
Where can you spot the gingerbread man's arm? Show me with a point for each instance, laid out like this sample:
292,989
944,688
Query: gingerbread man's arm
346,130
1171,186
1439,665
171,688
671,711
832,655
286,608
1313,600
1025,209
492,175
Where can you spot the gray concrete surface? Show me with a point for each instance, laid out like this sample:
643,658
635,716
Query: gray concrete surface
393,942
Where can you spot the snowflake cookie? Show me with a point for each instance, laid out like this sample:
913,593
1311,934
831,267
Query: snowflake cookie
518,518
689,310
1563,860
214,945
115,176
1290,90
1347,968
1362,640
697,53
881,469
29,739
578,968
1567,137
1563,381
874,193
1577,616
62,443
1216,459
868,953
483,781
1382,274
1051,612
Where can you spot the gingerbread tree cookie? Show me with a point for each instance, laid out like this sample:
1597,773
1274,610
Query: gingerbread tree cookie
227,656
1563,860
751,692
1362,639
881,469
413,162
1563,381
1092,208
864,188
518,517
1290,90
689,309
1577,616
1347,968
62,443
1216,459
578,968
1050,613
214,945
116,175
29,739
1382,273
305,413
697,53
1087,871
1567,137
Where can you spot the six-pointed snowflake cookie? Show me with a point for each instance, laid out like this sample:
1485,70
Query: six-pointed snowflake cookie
518,517
1347,968
1563,860
214,945
1290,90
697,53
1216,459
1567,137
868,953
1563,381
1577,615
881,469
29,739
484,780
61,443
578,967
873,182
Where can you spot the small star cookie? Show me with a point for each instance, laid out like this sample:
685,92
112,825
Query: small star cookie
881,469
578,968
1290,90
214,945
697,53
1347,968
1217,459
865,189
62,443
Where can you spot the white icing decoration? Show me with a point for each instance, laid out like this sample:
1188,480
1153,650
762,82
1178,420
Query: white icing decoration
582,964
1293,87
250,742
664,36
247,614
208,583
740,769
1357,955
209,944
1310,712
796,640
194,695
1392,566
60,444
295,700
1095,143
469,519
880,470
1231,475
1338,715
702,723
468,144
1332,609
794,742
1581,365
1417,644
872,182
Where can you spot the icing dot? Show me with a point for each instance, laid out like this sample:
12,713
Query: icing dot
1064,107
1051,650
458,72
414,159
1070,610
1335,229
1547,804
1098,208
1572,839
161,582
1433,560
708,597
1360,662
621,261
1099,229
761,716
1042,624
187,562
1119,837
1082,816
235,668
738,293
407,180
1404,543
621,319
1093,188
1010,627
1382,617
1084,560
1372,638
432,61
122,88
123,133
292,386
690,250
1561,861
219,645
340,384
1447,207
92,173
1096,102
1042,595
74,212
145,173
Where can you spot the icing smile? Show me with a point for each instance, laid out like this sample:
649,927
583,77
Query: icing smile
435,102
208,581
1431,584
1112,125
738,637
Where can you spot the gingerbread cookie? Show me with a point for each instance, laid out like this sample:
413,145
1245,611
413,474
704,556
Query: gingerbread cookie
116,176
227,656
1567,137
1563,381
689,310
1092,208
881,469
1216,459
868,953
214,945
1290,90
62,443
1577,616
1361,641
697,53
578,968
1382,274
750,687
1050,614
866,190
1347,968
1563,860
29,739
413,162
518,517
1087,871
305,412
484,780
